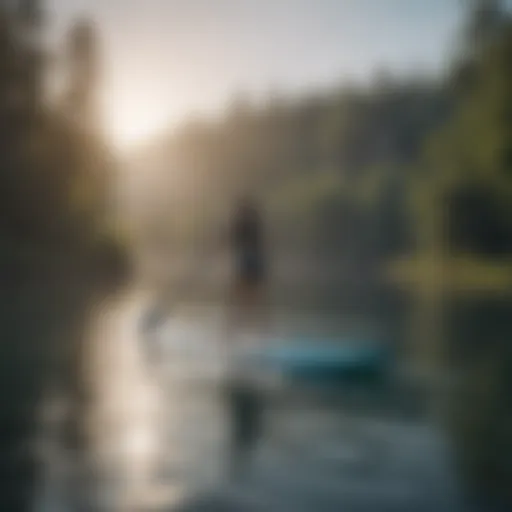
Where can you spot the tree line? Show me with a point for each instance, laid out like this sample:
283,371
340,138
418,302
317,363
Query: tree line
59,254
358,173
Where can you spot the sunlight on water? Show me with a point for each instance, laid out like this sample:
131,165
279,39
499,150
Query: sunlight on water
125,420
158,427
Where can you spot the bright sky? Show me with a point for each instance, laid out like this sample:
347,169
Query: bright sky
165,59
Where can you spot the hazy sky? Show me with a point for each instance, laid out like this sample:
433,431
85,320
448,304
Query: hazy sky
167,58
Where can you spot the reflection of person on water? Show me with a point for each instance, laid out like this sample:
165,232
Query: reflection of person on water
245,309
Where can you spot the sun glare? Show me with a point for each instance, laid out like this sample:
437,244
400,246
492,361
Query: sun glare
133,120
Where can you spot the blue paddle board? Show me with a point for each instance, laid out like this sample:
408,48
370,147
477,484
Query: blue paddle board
341,361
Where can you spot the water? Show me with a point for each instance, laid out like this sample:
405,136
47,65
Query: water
156,433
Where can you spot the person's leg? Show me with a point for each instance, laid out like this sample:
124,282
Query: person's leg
236,308
261,310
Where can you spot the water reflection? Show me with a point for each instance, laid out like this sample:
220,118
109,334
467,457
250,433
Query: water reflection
157,435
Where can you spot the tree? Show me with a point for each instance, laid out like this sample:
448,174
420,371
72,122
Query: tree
471,156
487,18
83,62
469,190
55,259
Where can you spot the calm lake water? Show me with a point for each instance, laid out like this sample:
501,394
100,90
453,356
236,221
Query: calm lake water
156,430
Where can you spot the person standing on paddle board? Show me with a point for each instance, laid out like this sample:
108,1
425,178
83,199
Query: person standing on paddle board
246,307
249,265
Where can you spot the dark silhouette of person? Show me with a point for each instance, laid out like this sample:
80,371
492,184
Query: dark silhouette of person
247,240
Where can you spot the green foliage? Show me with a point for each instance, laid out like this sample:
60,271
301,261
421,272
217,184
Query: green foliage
332,168
470,158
